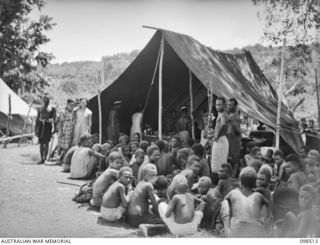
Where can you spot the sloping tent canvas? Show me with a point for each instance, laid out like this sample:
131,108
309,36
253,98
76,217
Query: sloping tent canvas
226,75
19,110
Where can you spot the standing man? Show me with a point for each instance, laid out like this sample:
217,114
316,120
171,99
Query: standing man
183,126
220,146
234,134
43,129
113,129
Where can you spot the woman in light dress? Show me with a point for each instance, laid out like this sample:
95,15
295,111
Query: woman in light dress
83,121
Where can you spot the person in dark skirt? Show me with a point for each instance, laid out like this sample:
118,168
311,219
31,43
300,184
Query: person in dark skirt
45,121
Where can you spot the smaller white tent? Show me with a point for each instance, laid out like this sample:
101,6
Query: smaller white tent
18,106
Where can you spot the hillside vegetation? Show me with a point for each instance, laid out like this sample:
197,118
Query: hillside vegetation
79,79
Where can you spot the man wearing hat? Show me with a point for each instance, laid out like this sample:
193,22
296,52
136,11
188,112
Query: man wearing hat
183,125
66,127
43,129
113,128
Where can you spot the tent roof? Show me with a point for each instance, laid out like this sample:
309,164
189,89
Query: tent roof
227,75
18,106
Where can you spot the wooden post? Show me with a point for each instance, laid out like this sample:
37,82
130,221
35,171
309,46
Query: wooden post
25,123
191,105
160,89
317,91
210,103
280,96
99,103
8,121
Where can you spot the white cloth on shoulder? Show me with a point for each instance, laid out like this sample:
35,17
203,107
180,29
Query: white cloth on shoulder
112,214
219,153
180,229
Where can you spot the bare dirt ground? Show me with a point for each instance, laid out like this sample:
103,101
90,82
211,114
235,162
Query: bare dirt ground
34,204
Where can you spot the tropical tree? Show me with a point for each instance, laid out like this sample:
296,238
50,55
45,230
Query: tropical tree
20,43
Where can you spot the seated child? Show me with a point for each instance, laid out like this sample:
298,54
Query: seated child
98,148
245,207
104,163
263,187
134,145
193,163
225,179
153,155
179,215
213,199
106,179
255,154
263,182
295,170
125,152
189,174
84,159
247,157
198,150
138,210
182,157
115,200
269,158
161,186
139,158
305,224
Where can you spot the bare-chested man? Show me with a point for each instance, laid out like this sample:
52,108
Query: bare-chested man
106,179
220,146
179,215
245,207
43,129
183,126
138,210
115,200
234,134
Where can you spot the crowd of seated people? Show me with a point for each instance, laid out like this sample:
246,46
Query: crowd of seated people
162,183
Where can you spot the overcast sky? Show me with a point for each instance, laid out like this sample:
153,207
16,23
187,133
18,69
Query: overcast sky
90,29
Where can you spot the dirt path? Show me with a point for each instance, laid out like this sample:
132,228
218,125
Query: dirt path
33,204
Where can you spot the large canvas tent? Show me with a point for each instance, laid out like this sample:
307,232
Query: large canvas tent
19,111
226,75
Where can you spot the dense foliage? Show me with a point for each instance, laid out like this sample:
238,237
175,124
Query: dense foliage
20,43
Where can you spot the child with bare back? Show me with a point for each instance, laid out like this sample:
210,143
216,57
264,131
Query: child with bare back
188,174
106,179
245,208
305,224
115,201
225,179
213,199
138,210
137,163
179,215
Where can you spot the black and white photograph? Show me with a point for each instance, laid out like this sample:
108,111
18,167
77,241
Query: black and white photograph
159,119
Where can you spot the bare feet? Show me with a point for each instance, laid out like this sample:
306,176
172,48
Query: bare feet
40,162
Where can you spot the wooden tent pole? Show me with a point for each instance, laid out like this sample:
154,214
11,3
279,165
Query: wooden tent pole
317,91
160,89
210,102
8,121
280,96
191,105
99,103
